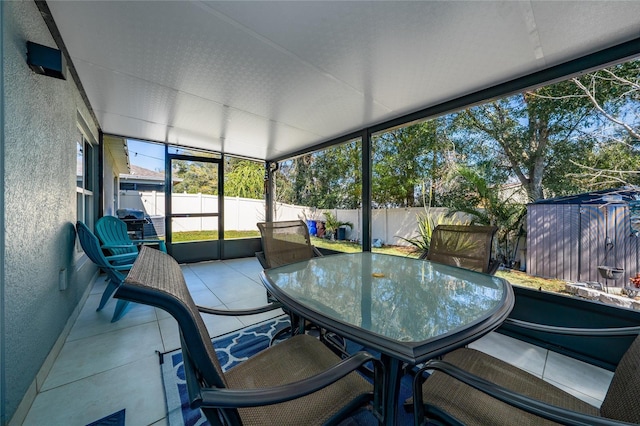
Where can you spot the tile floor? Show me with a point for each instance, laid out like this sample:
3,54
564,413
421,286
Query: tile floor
104,367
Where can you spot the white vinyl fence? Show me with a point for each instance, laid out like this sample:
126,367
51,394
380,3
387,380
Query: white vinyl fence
242,214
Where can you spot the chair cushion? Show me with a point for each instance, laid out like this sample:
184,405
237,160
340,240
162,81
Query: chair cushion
473,407
295,359
621,402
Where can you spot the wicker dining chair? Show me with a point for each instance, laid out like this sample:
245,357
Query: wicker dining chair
296,382
284,243
465,246
469,387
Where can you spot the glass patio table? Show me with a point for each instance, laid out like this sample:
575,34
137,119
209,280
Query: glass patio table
407,309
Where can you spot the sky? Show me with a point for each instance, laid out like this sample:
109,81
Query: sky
145,154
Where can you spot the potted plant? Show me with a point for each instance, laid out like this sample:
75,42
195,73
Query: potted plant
634,289
333,224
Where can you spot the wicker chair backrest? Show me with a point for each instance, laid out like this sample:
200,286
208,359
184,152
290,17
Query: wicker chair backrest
285,242
156,279
465,246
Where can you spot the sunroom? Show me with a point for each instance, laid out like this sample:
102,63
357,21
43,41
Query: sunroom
220,84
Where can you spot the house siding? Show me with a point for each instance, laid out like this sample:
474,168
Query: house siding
39,207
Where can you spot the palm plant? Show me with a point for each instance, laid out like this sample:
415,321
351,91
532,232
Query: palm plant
426,224
486,207
332,224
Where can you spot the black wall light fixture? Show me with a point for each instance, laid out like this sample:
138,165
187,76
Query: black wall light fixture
46,60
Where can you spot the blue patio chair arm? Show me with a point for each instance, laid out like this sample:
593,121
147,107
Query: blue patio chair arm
239,398
122,267
240,312
574,331
119,260
138,242
538,408
122,257
110,246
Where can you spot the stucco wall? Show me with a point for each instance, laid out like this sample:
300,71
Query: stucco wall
40,134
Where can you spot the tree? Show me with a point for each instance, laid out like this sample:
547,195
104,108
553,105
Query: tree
406,163
614,93
244,178
338,176
616,163
195,177
526,130
302,181
326,179
487,205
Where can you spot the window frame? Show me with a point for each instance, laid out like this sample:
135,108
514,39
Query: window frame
86,179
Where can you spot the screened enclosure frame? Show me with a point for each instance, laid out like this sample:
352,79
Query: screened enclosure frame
607,57
592,62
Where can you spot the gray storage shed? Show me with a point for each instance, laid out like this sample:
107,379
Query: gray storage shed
569,237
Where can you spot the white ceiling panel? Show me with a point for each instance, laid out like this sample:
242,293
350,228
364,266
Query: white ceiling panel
266,78
125,95
572,29
366,45
132,127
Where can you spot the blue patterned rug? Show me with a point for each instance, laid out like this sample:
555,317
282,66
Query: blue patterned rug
232,349
115,419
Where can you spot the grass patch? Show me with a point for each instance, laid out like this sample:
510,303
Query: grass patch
514,277
349,247
343,246
521,279
181,237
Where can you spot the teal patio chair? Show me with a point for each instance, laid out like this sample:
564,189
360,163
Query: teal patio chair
112,232
115,266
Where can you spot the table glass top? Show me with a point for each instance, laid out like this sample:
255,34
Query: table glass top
400,298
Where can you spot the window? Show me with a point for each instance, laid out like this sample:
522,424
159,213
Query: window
85,180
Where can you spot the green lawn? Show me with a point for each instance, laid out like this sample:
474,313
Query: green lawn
180,237
514,277
524,280
349,247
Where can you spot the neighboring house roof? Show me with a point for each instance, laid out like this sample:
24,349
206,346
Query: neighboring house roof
623,194
140,173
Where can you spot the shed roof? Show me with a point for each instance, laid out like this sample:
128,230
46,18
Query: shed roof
623,194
